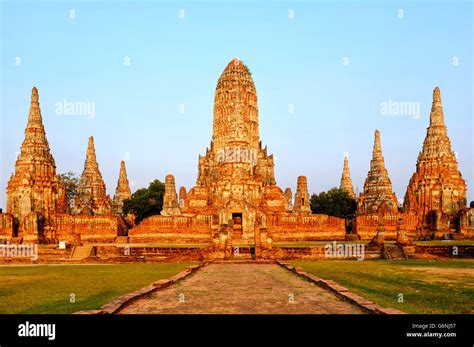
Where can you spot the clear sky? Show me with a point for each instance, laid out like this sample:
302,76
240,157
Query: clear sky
322,70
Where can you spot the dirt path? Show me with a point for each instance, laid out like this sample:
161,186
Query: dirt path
242,288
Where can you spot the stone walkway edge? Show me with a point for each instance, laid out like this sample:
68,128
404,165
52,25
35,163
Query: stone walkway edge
340,291
123,301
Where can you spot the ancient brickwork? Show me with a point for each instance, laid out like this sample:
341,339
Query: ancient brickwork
366,225
6,226
300,227
83,228
302,196
289,199
377,196
182,196
346,181
236,184
173,229
235,180
464,221
122,192
235,202
170,198
436,190
35,187
92,198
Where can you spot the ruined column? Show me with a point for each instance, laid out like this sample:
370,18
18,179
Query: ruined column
170,199
122,192
346,181
301,203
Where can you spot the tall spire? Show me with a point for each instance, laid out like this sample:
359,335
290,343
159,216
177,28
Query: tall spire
377,196
436,115
34,117
436,185
122,192
35,185
91,160
92,198
235,108
346,181
377,150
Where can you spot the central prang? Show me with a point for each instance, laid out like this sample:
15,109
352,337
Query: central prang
236,175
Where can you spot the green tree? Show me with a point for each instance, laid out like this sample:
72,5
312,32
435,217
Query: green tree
71,181
335,202
145,202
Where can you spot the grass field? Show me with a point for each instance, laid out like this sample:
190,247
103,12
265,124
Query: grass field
426,286
49,288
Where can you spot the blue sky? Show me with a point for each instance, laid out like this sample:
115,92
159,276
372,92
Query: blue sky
332,64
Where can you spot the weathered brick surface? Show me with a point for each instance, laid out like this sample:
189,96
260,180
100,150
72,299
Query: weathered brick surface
377,196
436,190
122,192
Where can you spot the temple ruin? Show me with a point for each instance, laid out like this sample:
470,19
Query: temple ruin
235,204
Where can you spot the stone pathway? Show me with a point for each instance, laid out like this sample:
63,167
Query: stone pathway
242,288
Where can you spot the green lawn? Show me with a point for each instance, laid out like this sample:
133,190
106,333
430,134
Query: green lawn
48,288
427,286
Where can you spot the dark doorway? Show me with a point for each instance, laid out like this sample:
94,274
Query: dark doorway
40,224
237,218
16,227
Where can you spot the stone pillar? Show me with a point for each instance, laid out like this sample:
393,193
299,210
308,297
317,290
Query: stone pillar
301,203
122,192
289,199
346,181
182,196
170,199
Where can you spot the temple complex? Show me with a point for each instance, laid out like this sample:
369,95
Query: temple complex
437,190
235,205
92,198
122,192
236,201
35,192
377,196
346,181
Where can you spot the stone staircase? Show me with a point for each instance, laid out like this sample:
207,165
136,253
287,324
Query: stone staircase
393,252
81,252
242,249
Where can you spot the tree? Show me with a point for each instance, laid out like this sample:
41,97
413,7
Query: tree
71,181
335,202
145,202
